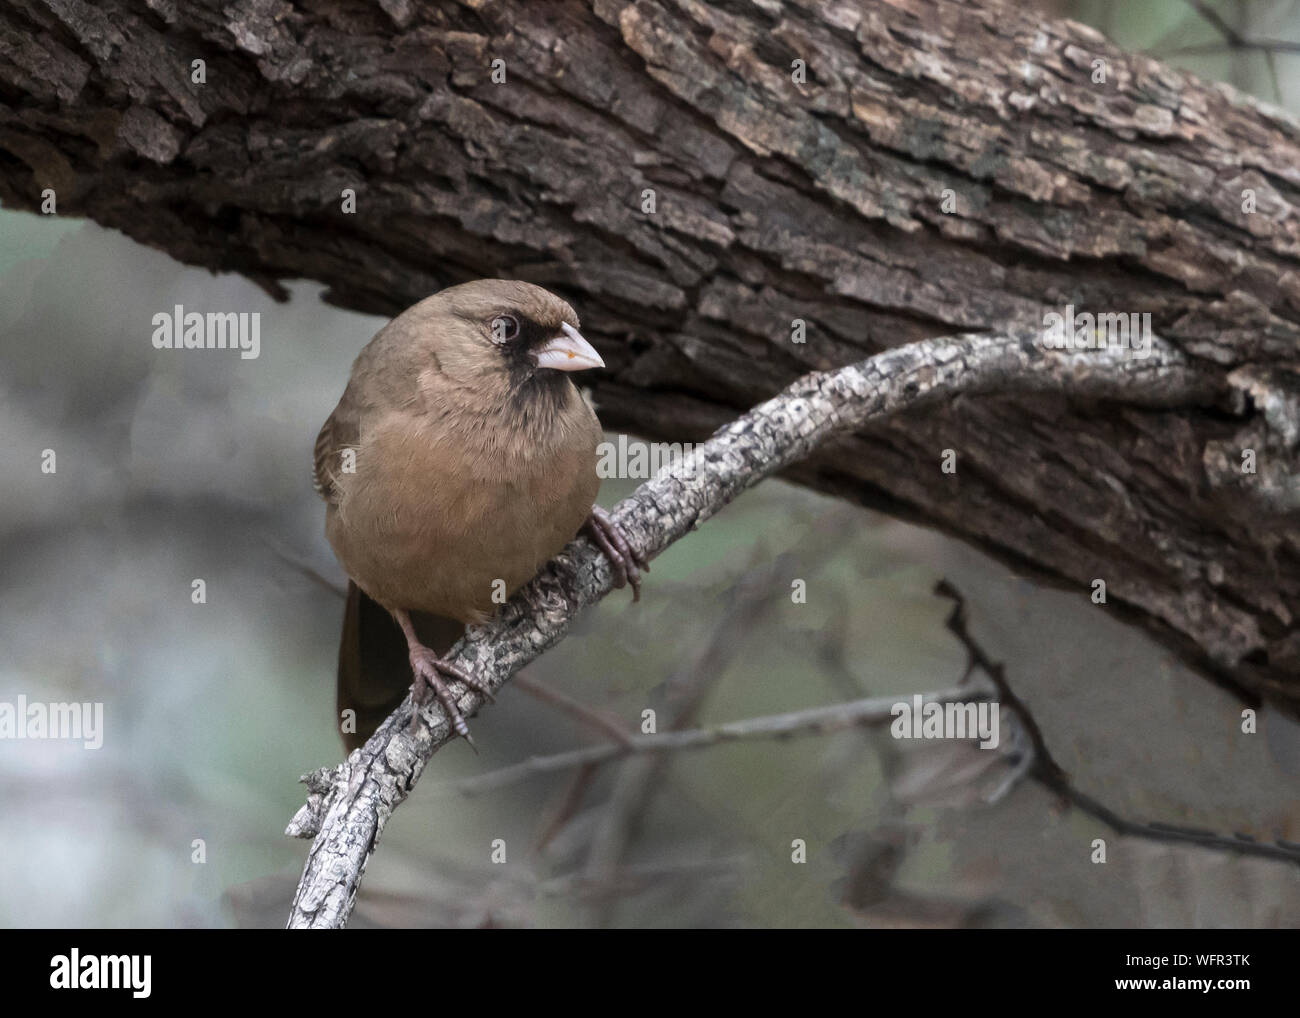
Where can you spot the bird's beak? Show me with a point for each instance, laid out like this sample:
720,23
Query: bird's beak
568,352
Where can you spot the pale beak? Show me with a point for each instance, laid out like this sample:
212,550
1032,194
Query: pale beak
568,352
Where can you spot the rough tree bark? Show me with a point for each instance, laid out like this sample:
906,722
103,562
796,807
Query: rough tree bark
774,200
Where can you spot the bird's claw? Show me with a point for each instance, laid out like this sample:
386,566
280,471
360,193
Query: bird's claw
627,563
429,670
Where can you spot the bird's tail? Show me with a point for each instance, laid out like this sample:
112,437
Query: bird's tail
374,668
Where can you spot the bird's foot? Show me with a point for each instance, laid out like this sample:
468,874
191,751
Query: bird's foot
429,670
627,563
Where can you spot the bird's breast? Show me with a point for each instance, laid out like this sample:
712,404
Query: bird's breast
451,525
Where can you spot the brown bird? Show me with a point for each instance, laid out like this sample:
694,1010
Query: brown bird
459,460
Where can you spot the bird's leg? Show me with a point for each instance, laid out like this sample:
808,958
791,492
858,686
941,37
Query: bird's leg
628,564
429,669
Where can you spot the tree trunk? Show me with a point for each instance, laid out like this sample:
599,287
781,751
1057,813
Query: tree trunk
931,167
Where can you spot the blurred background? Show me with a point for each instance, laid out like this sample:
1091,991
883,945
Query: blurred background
175,466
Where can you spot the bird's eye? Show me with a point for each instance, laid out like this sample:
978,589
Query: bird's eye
504,328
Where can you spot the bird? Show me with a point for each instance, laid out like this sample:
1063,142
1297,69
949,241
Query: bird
459,460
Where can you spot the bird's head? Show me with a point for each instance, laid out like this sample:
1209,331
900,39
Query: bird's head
507,334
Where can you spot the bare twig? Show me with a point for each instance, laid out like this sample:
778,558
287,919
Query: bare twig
815,720
1265,46
567,807
1232,39
580,711
684,694
305,567
349,805
1230,34
1045,770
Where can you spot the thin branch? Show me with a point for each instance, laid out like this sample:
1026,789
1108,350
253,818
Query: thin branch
574,708
812,721
348,805
558,818
1230,34
1046,771
1233,41
1266,46
632,879
684,693
305,567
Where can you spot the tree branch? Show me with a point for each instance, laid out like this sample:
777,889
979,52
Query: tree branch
835,717
1044,768
946,166
349,805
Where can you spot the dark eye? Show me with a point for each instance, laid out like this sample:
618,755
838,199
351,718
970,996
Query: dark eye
504,328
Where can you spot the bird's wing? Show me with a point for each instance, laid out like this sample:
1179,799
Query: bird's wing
341,431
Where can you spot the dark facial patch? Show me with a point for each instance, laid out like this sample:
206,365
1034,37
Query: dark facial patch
534,391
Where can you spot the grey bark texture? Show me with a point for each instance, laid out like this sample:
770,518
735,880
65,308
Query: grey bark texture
774,200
